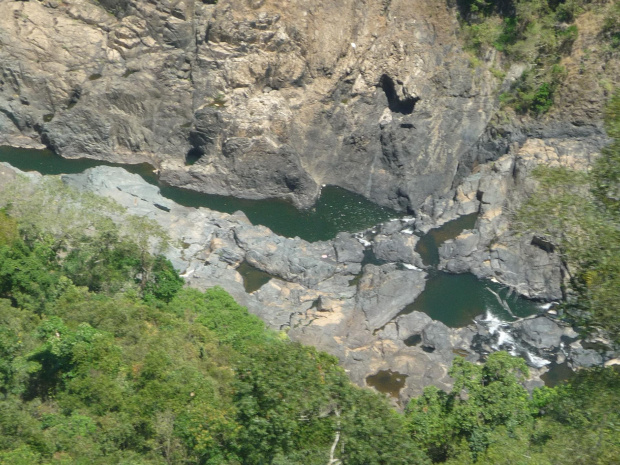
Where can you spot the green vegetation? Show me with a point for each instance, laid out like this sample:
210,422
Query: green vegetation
579,213
611,27
105,359
536,33
489,418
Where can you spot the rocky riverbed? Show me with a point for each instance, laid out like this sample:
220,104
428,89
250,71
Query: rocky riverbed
274,99
330,295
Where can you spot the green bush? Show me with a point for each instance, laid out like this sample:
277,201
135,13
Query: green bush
528,31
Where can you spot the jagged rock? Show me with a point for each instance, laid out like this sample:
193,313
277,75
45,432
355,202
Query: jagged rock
493,250
412,323
292,259
397,247
435,336
348,249
581,357
541,332
385,290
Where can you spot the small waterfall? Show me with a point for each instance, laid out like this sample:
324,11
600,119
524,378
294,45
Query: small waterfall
503,339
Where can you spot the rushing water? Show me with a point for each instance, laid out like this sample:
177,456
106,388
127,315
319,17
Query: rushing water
456,299
336,209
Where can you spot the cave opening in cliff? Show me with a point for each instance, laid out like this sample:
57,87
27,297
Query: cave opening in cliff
193,155
396,105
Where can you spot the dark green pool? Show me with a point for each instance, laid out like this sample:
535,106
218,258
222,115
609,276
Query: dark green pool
335,211
47,162
456,299
557,374
253,278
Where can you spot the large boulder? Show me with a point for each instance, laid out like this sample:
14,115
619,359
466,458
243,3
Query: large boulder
541,332
384,291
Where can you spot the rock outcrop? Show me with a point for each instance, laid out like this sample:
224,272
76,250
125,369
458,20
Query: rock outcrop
254,99
322,295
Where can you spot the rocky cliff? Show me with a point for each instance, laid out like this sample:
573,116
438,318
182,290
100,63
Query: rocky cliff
249,98
259,98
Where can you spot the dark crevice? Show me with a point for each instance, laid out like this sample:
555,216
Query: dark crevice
413,340
543,244
162,207
193,155
396,105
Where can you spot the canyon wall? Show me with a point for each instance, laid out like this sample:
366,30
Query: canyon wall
250,98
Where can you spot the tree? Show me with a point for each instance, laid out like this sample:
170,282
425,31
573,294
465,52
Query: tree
483,398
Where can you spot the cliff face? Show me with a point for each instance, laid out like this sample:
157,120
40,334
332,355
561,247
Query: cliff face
250,98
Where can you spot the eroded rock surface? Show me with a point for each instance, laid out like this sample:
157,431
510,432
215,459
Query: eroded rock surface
266,99
320,294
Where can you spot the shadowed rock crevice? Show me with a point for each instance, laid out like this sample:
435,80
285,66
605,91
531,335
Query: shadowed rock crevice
405,105
193,155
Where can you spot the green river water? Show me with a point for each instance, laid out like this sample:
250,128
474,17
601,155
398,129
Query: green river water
336,209
452,299
456,299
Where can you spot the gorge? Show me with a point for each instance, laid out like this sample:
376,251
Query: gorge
351,171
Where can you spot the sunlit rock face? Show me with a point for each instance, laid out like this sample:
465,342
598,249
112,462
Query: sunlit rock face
255,99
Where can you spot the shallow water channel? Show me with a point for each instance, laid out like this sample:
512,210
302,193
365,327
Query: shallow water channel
456,299
336,209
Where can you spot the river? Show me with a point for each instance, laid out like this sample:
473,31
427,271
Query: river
453,299
336,209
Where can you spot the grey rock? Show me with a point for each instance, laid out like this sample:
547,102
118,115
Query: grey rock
581,357
348,249
540,332
436,335
291,259
158,81
397,247
381,295
412,323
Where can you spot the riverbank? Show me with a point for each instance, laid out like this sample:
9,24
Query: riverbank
324,293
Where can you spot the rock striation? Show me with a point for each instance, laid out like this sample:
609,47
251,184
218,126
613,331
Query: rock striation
253,99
